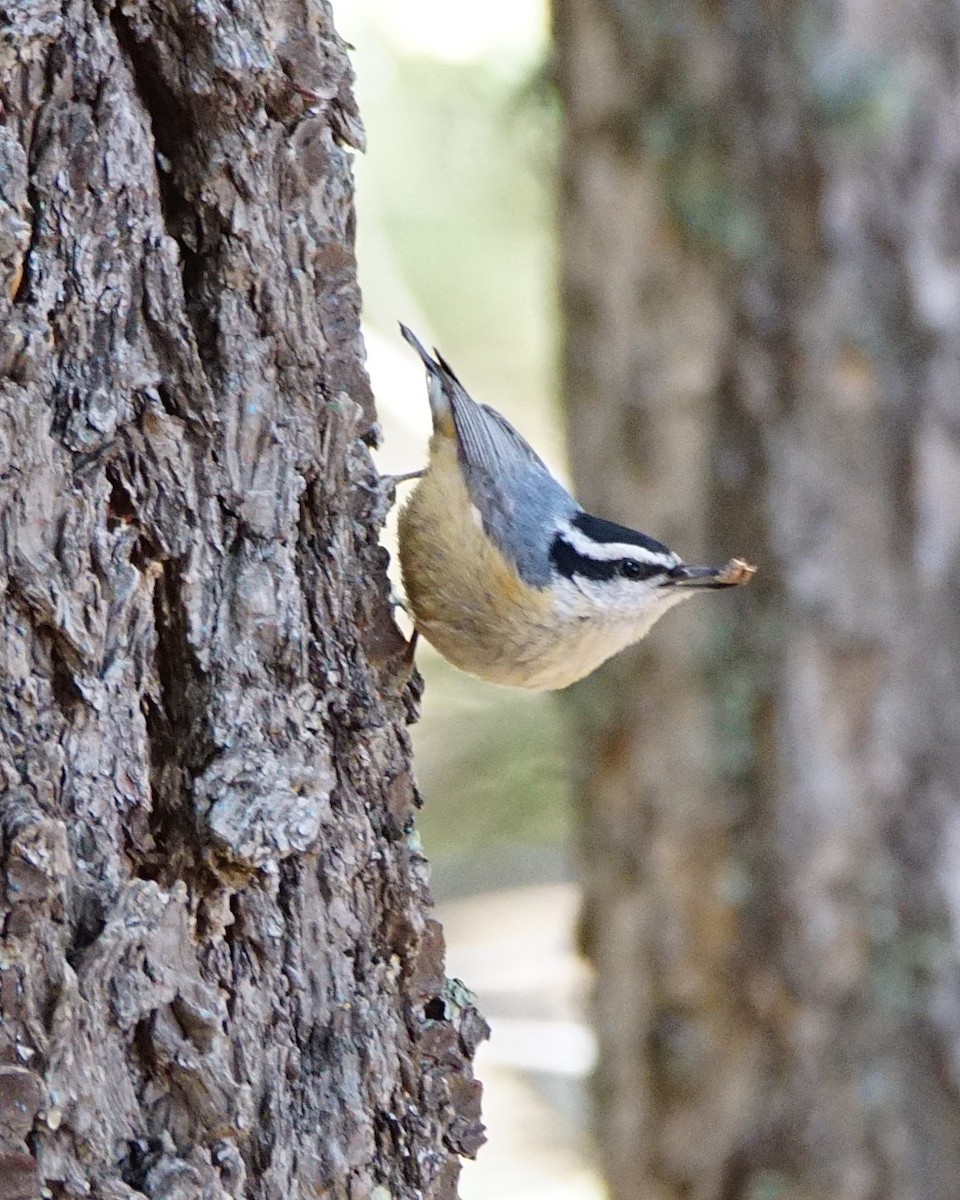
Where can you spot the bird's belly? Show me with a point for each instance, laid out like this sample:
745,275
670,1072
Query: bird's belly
536,657
469,602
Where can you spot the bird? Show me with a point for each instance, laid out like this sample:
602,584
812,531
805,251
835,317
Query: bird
505,574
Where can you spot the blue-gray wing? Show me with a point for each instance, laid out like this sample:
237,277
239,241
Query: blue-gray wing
488,441
519,501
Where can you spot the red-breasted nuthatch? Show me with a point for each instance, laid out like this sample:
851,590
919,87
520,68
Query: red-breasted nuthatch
504,572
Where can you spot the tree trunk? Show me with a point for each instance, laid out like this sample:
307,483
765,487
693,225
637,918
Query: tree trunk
218,976
643,218
773,910
845,361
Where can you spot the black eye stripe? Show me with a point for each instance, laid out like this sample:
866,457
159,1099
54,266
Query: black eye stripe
630,568
569,561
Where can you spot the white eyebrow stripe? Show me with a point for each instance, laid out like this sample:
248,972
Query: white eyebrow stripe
607,551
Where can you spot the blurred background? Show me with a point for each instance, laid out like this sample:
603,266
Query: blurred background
709,897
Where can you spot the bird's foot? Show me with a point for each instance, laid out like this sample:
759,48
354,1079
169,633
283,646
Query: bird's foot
405,476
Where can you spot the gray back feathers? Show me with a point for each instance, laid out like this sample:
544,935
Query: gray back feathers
519,501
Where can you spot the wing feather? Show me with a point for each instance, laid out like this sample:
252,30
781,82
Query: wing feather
519,501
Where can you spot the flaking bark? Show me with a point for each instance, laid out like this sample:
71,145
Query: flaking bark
217,960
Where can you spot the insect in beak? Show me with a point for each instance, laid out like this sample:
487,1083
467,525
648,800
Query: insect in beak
735,572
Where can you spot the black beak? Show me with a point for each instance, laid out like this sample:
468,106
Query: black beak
732,575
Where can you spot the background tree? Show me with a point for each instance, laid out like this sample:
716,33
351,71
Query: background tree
218,974
773,910
645,331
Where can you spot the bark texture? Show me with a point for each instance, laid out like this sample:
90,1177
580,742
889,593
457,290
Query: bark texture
218,976
771,809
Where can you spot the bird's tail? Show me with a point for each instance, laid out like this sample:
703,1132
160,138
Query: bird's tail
441,383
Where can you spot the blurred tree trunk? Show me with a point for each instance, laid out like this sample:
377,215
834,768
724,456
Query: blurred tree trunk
773,911
645,330
847,361
217,972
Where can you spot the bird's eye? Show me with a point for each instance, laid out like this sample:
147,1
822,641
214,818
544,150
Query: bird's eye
631,569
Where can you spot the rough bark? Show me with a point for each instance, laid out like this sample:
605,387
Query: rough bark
218,975
773,911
